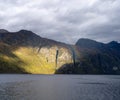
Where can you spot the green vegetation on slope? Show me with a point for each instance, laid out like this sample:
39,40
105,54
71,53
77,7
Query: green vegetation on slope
26,52
29,60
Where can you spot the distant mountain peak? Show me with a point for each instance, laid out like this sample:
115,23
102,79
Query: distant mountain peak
3,31
84,42
113,42
25,31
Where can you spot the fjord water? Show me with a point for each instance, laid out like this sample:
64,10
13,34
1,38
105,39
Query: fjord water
59,87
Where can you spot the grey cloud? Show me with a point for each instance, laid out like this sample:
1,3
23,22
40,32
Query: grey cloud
63,20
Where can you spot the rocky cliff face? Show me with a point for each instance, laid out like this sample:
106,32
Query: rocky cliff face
64,55
95,58
26,52
32,53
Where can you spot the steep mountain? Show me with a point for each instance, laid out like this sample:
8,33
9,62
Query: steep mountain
26,52
95,58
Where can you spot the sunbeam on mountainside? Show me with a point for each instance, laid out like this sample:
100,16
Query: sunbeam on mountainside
26,52
59,50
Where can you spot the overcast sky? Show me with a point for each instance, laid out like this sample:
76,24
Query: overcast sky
63,20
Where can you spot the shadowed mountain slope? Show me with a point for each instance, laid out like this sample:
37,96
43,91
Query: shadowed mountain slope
36,54
95,58
27,52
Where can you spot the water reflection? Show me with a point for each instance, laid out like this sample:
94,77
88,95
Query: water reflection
60,88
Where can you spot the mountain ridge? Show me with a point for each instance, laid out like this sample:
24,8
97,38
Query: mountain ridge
27,31
27,52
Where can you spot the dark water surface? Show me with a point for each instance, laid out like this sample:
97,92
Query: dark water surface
59,87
